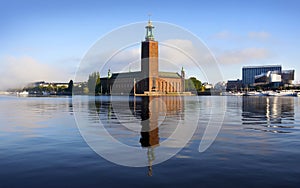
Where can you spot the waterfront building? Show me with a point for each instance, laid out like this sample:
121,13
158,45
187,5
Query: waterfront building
149,80
270,79
267,75
234,85
287,76
249,72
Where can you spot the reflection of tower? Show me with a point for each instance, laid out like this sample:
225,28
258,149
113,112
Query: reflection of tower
149,64
149,114
70,105
149,131
155,111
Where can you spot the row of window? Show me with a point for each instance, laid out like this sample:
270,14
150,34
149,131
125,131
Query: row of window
161,86
169,86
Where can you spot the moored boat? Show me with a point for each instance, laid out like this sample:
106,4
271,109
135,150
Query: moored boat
23,93
282,93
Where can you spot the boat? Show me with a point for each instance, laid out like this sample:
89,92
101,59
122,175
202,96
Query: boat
283,93
255,93
45,93
23,93
273,93
232,93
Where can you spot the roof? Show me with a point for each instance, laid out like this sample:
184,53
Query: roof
124,75
169,75
138,74
262,66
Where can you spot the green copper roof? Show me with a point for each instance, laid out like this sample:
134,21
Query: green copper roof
149,31
169,75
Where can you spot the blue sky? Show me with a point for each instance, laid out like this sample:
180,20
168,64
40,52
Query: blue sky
47,39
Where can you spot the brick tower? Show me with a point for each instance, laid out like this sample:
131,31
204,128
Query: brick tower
149,59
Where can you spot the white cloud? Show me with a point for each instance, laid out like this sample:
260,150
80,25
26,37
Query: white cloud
259,35
174,54
222,35
252,35
194,56
243,55
18,71
125,59
100,60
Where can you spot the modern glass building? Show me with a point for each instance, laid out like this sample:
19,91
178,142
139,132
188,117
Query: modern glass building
249,72
287,76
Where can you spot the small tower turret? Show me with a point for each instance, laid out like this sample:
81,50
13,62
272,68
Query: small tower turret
149,31
108,74
182,73
182,80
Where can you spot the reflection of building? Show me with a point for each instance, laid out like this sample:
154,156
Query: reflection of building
270,114
151,110
149,116
154,117
149,79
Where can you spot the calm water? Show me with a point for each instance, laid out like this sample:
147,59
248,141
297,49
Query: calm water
258,144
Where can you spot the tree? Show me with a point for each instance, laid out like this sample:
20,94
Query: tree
193,84
94,83
98,85
70,86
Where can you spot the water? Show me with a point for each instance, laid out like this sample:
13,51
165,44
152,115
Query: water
258,143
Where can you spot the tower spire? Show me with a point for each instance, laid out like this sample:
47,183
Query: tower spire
149,32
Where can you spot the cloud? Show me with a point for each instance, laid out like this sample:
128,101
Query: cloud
252,35
174,54
100,60
193,55
259,35
222,35
125,59
18,71
243,55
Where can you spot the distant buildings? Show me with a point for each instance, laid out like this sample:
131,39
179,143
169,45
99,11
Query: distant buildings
249,72
275,78
234,85
44,84
271,78
266,76
43,88
287,76
207,86
220,86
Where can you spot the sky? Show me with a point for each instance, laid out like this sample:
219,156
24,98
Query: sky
47,40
